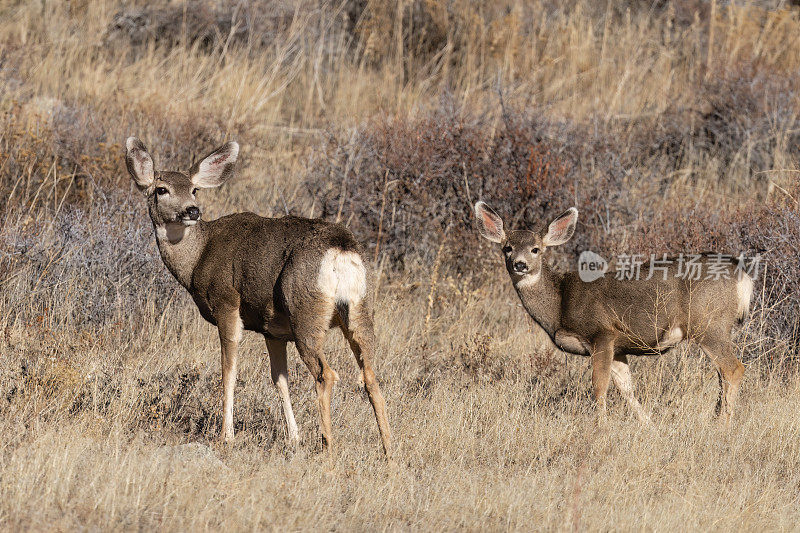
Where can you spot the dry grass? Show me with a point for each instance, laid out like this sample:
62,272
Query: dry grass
107,370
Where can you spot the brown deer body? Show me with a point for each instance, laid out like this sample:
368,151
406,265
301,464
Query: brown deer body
290,279
610,319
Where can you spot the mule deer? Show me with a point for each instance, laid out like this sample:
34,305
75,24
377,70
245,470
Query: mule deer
289,278
610,319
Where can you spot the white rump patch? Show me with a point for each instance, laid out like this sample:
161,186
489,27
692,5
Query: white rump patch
342,276
744,293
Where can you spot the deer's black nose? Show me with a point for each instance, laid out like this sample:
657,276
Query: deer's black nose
520,267
193,212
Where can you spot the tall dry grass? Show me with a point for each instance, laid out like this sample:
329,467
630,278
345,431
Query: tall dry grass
682,116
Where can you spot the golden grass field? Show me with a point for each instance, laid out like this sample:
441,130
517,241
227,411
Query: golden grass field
110,393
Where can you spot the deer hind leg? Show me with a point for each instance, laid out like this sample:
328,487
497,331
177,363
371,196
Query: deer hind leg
358,329
721,350
621,374
602,357
280,378
309,326
230,333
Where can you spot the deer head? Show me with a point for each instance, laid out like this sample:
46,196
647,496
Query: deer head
523,250
171,196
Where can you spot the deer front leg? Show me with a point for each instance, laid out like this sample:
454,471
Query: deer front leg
230,333
602,356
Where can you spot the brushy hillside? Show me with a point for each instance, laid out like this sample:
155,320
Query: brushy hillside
674,126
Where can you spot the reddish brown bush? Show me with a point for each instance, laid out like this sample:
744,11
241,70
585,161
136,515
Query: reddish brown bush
407,185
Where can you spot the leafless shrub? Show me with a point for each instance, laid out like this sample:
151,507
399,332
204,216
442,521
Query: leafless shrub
407,185
105,261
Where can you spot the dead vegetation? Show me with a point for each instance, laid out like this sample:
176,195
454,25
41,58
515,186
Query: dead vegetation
673,126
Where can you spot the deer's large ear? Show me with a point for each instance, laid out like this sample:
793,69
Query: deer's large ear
489,223
216,167
562,228
139,163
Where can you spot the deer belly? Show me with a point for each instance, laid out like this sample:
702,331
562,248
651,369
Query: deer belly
571,343
265,319
279,328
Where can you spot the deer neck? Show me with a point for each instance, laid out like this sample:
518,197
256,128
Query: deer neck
542,298
180,247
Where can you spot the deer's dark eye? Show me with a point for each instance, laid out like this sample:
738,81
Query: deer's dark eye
161,191
506,249
194,191
535,250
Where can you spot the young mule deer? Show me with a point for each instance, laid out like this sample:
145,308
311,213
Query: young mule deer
610,319
290,279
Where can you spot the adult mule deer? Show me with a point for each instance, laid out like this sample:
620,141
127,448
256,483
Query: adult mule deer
610,319
290,279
